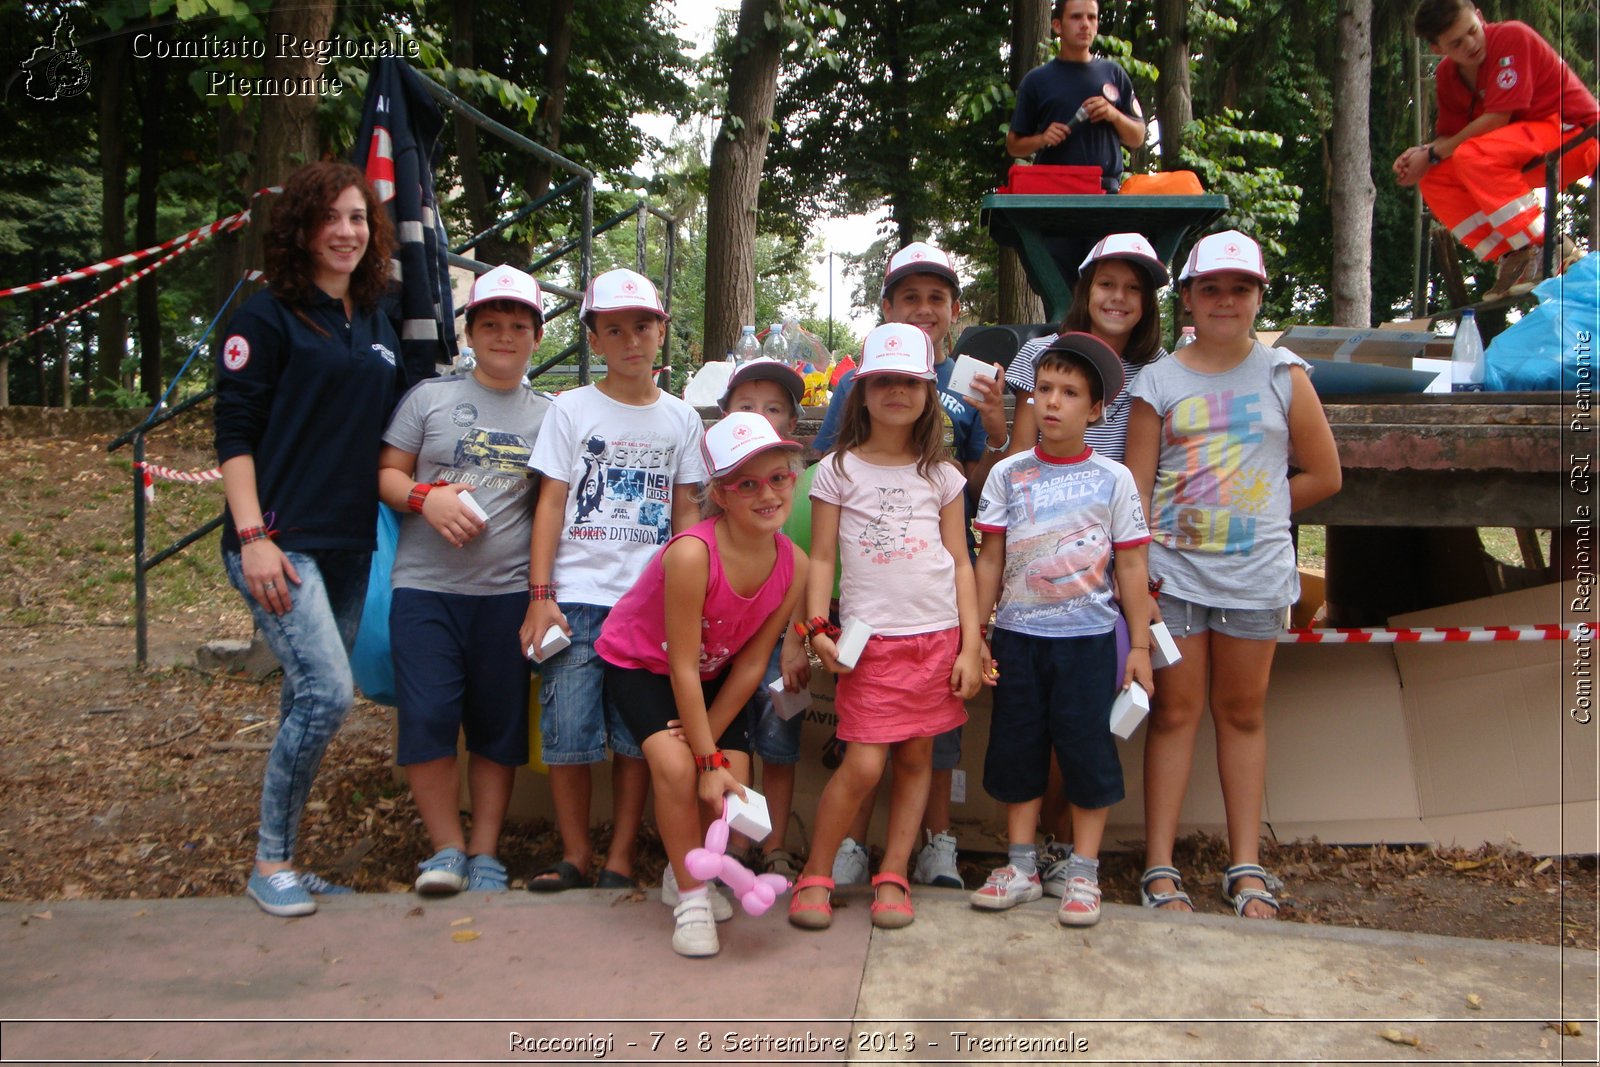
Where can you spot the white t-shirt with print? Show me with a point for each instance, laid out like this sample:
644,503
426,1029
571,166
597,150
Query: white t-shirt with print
621,463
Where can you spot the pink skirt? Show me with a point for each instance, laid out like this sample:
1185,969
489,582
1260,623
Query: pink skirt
900,689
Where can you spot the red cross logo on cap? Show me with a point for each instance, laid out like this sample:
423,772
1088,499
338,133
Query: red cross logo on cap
741,432
918,254
892,343
1230,249
629,287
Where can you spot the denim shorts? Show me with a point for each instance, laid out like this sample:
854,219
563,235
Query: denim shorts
1186,618
577,720
1054,694
459,667
774,739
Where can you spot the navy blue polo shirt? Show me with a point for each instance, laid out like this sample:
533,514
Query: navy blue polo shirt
1054,92
308,398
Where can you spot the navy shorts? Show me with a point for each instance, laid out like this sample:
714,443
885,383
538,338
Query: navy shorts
1054,693
645,701
459,666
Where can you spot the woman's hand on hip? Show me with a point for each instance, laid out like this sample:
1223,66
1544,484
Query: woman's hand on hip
268,575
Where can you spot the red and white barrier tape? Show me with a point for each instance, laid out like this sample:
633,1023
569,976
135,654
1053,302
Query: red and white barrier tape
229,222
92,301
151,471
167,474
1378,635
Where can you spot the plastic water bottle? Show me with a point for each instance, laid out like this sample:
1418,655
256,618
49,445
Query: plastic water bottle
775,347
1186,337
1466,357
747,348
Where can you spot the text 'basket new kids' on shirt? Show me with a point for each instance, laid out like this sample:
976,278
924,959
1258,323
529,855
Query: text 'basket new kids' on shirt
621,462
1062,519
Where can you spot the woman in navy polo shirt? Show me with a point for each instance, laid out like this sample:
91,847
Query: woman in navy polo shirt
306,380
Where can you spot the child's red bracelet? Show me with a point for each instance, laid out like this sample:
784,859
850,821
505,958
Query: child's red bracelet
542,592
419,493
815,626
712,762
251,534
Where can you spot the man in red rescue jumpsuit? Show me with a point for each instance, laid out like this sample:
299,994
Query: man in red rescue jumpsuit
1505,98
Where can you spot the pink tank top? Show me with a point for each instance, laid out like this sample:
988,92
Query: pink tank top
634,635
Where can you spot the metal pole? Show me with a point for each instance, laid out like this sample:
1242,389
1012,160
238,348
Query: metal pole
585,266
140,604
1419,289
666,301
830,303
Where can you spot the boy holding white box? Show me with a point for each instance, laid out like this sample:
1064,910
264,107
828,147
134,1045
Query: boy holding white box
1058,521
455,462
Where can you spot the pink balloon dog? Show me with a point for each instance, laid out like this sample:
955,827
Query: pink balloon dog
756,892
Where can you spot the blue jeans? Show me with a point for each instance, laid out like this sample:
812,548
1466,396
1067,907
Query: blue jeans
312,642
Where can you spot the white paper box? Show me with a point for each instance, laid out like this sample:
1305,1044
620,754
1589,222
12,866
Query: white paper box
748,816
966,369
1163,649
788,704
1129,710
554,641
851,641
473,506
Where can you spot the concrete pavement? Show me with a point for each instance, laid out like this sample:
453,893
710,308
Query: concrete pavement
590,975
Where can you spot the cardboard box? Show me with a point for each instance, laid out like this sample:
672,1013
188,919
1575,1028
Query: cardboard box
1390,348
748,816
1478,745
1499,756
785,703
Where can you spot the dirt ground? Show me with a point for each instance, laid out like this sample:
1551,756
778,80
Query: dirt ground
126,783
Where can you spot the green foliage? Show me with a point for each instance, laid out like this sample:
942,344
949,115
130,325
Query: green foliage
1230,159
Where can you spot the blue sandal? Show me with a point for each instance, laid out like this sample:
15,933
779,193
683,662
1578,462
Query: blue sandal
1244,896
1161,900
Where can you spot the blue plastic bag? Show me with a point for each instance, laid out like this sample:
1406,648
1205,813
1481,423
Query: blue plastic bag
370,659
1544,348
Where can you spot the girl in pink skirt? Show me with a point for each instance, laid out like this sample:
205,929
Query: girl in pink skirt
887,505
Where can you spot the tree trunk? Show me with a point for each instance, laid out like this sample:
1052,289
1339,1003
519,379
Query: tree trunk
113,145
1350,173
558,49
147,300
480,211
1030,23
289,134
63,363
735,178
1176,103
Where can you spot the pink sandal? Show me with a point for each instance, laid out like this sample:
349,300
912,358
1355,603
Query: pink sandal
811,916
891,916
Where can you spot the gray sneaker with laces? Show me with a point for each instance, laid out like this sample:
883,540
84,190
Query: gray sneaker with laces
850,864
936,862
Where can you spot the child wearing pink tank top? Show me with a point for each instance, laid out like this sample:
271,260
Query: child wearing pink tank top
685,648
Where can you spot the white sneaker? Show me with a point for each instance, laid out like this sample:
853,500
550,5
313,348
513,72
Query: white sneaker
1053,862
1080,906
1006,888
721,906
696,931
936,862
850,864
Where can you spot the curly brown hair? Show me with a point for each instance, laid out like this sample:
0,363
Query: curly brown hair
927,433
297,215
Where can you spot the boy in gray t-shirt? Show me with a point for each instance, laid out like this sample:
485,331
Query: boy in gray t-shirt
455,459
